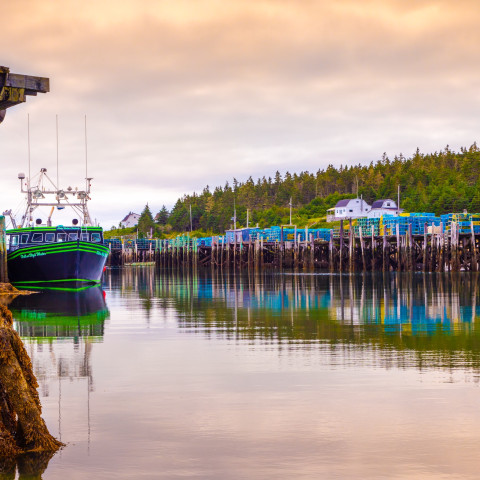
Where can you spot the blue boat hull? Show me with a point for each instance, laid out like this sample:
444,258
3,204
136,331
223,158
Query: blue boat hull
69,264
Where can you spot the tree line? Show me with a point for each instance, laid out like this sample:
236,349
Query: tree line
439,182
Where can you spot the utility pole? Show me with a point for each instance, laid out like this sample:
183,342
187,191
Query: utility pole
234,215
234,206
290,204
191,229
247,216
398,198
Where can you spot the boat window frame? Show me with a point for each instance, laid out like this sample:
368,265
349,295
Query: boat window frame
22,238
94,235
72,236
51,235
61,237
84,237
37,235
13,241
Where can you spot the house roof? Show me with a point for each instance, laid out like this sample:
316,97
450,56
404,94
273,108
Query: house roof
380,203
131,213
346,202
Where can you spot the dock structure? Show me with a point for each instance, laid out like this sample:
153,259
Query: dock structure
453,250
14,88
3,252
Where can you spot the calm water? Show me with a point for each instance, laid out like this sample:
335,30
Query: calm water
169,375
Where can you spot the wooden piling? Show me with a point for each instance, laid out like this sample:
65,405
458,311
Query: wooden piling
474,264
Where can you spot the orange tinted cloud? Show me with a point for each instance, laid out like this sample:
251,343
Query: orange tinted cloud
201,91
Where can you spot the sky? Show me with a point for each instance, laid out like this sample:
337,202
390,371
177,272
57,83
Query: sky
183,94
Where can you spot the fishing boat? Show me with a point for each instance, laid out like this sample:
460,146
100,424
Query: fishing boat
45,256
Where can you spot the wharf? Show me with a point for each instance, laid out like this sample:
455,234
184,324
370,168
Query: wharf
452,250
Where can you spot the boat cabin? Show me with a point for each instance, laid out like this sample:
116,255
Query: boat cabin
29,237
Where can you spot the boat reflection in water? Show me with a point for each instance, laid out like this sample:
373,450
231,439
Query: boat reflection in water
49,315
59,330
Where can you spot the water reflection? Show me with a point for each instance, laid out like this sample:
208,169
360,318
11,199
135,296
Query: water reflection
59,329
48,315
30,466
426,319
221,375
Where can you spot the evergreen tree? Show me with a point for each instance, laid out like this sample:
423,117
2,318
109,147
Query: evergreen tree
145,222
162,216
439,182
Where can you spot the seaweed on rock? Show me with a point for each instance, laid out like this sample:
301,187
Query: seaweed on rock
22,429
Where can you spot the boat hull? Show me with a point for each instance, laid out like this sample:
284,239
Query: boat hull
69,264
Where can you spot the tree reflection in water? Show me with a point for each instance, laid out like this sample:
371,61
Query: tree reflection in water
425,319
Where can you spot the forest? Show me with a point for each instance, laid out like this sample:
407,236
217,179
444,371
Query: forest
439,182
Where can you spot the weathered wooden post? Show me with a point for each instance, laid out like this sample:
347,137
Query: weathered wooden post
362,247
473,248
295,250
384,252
262,260
282,249
373,248
411,245
234,249
453,247
312,253
351,242
441,250
3,252
425,239
341,246
399,266
331,265
227,241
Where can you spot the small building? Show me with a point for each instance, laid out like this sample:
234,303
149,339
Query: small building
348,208
241,235
130,220
384,207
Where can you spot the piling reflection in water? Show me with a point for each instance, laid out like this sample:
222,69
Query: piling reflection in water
427,319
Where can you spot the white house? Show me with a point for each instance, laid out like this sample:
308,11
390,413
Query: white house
384,207
130,220
348,208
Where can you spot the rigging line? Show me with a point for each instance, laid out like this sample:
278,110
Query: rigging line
28,137
86,156
56,121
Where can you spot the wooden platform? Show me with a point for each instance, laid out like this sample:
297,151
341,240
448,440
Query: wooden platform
439,252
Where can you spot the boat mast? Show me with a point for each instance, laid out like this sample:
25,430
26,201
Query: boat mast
43,186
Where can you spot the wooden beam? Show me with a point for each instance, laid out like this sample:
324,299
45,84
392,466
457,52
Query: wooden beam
14,88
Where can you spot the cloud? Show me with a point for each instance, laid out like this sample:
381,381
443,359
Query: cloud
180,95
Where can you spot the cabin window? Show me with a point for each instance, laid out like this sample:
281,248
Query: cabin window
96,237
61,237
24,238
72,236
14,241
350,210
49,237
84,237
37,237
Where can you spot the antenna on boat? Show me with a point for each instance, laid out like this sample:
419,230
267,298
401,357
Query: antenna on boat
28,136
86,156
56,121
